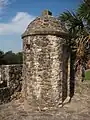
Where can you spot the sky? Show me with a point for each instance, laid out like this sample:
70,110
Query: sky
15,15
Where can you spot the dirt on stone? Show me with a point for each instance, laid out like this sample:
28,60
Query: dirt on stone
77,109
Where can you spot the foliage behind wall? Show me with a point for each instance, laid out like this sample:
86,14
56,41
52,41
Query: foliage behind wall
10,57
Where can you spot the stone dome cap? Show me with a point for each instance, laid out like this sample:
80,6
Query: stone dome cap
46,24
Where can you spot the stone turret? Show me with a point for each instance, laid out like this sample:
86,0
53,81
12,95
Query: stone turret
43,55
46,24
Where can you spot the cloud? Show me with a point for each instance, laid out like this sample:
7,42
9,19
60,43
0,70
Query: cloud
3,4
17,24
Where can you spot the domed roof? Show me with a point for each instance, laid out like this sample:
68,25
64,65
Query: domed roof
45,24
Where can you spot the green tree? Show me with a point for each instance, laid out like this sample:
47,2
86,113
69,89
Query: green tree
1,57
19,58
12,58
9,58
84,12
77,25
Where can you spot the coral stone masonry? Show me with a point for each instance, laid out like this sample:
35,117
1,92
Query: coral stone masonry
43,66
10,82
41,88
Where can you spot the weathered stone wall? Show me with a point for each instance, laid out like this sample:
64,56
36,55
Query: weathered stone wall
43,70
10,81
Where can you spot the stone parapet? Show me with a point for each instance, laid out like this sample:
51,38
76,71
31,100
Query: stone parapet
10,81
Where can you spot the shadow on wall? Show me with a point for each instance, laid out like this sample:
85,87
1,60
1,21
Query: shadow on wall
68,82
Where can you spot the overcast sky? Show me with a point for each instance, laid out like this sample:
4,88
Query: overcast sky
15,15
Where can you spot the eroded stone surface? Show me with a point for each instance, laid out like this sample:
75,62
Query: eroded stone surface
78,109
43,69
10,82
45,25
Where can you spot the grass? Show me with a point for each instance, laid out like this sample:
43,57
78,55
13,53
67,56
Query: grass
87,75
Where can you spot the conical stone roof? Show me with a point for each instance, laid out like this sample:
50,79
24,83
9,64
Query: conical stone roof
45,24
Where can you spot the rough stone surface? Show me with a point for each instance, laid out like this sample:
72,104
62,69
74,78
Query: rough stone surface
43,70
45,62
46,24
10,81
78,109
46,81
